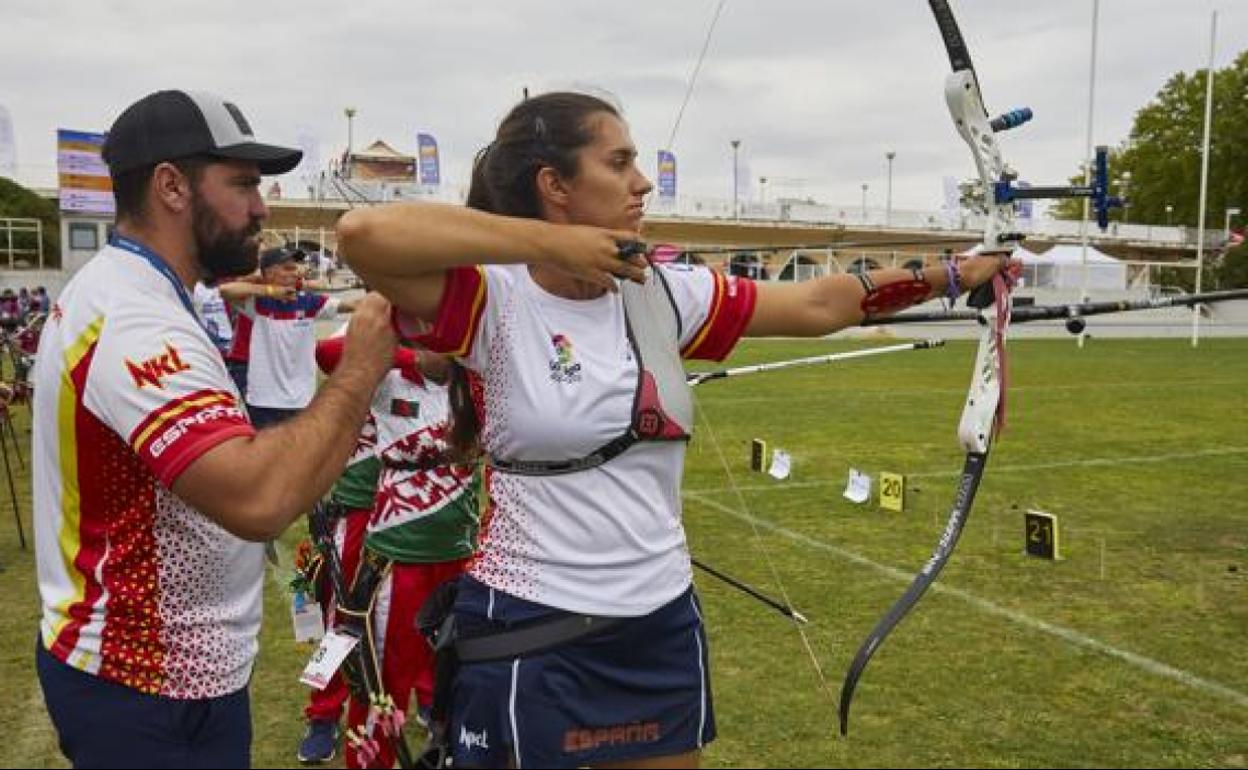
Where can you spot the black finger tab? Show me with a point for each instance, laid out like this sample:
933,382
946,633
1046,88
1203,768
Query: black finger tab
630,249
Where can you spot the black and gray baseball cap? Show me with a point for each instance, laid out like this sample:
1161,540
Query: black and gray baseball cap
168,125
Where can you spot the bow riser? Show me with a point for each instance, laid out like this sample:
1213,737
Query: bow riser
966,107
975,429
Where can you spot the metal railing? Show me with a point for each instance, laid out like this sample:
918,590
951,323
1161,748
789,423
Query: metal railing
809,211
11,231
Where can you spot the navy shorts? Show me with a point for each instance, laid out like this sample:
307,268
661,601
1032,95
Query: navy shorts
238,373
264,416
100,723
640,688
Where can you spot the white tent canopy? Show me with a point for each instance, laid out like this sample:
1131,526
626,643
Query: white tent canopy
1061,267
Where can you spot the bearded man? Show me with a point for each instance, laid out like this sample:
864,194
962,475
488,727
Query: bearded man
153,493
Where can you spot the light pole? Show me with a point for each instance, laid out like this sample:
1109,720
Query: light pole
762,190
888,200
736,212
1124,188
864,203
1169,211
344,170
350,113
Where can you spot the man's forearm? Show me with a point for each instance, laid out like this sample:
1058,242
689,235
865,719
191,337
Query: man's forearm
325,433
256,487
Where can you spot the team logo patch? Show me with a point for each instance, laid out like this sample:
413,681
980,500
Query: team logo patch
403,408
564,367
151,371
649,423
474,739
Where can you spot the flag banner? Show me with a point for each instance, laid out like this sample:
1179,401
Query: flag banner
308,172
8,148
83,179
667,175
427,150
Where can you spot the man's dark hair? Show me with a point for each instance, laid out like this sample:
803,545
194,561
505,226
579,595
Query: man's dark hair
130,187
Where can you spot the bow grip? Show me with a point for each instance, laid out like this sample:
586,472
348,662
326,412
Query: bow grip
981,296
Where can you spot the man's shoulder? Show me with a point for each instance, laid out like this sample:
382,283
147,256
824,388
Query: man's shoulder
115,273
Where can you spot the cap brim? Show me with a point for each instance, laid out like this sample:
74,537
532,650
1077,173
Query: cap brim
269,157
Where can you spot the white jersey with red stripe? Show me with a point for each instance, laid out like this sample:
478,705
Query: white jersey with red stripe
281,371
137,586
559,381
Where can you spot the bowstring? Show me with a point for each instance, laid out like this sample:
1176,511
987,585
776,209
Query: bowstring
701,412
744,507
693,78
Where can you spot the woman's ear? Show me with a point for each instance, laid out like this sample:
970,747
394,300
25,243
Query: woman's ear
551,188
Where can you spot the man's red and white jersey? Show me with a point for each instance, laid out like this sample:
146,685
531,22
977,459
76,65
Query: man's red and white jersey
559,382
281,372
137,586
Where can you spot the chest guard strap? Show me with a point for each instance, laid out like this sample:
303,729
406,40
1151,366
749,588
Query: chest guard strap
662,403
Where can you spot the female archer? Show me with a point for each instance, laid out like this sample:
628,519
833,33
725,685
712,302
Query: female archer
581,638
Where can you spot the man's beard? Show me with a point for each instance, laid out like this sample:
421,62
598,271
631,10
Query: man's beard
223,253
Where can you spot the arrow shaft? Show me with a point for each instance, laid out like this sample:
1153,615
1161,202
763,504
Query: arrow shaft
697,378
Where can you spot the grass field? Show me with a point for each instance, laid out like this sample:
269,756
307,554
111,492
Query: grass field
1130,652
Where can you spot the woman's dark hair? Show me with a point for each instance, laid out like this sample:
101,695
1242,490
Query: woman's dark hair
546,130
464,436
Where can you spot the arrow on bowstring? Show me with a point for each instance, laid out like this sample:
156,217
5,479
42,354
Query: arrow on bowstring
697,378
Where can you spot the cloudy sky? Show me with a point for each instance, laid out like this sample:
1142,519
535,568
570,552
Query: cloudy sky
816,90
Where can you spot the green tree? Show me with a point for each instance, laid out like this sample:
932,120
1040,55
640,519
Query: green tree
1163,151
1232,273
18,202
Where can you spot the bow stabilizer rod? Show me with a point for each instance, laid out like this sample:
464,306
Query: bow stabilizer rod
1073,314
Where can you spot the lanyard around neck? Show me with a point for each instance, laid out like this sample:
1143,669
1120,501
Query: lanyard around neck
161,266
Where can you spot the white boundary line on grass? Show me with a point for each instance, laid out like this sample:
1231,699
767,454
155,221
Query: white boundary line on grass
1067,634
1085,463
